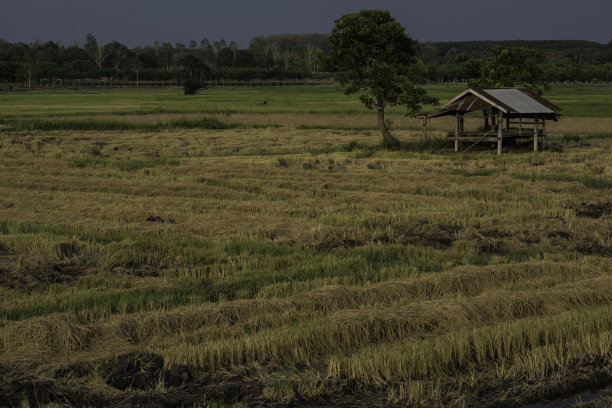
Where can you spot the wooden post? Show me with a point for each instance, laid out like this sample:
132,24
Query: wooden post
543,134
457,133
520,125
500,132
535,133
425,127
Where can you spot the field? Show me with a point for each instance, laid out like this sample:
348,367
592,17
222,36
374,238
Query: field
215,251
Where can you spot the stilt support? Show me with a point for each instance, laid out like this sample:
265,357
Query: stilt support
500,132
457,133
535,134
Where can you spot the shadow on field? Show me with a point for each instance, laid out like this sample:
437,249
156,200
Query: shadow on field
32,274
139,378
143,379
439,236
594,210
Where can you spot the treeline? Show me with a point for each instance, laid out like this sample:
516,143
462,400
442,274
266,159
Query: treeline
560,60
273,57
551,72
551,51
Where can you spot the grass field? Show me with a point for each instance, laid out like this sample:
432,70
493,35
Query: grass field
213,251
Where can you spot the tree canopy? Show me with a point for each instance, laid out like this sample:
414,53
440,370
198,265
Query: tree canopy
288,56
374,56
194,74
506,68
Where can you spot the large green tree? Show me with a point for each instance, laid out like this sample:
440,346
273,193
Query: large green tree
374,57
507,67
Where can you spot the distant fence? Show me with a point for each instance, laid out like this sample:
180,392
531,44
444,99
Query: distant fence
579,82
269,82
87,83
110,83
464,82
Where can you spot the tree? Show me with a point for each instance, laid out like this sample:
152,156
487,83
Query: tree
91,44
375,57
207,53
181,47
245,58
117,54
219,45
30,59
505,68
225,57
194,74
137,61
166,55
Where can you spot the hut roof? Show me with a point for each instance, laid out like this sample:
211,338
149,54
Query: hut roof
511,101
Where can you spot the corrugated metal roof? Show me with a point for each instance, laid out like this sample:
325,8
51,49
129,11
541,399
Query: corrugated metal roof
513,101
517,101
540,99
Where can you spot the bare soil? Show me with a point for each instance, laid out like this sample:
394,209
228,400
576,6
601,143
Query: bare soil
143,380
594,210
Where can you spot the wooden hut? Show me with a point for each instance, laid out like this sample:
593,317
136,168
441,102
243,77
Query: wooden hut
509,113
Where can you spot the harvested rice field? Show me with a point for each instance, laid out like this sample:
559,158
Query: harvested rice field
215,251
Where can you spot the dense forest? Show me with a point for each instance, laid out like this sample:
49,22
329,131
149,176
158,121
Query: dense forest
271,57
560,60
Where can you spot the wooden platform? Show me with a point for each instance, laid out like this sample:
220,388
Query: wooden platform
491,136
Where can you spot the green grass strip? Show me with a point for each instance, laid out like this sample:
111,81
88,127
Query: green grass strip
102,125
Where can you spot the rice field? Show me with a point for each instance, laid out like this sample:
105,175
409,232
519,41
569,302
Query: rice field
215,251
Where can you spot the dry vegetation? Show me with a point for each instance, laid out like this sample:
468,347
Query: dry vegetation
288,260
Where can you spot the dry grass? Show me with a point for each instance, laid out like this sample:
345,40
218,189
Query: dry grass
300,264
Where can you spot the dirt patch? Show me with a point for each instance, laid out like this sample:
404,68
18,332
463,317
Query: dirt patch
489,393
136,375
331,241
157,218
13,276
144,371
591,248
556,236
143,379
15,388
559,234
329,238
594,210
138,370
141,270
377,165
589,377
440,236
492,241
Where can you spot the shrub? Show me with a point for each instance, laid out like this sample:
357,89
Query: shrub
192,86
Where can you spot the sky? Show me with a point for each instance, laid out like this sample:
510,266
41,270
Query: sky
142,22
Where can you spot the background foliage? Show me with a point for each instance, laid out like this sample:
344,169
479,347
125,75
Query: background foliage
272,57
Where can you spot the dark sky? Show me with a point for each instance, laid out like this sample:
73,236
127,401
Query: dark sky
141,22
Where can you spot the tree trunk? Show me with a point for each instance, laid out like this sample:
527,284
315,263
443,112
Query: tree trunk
389,139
